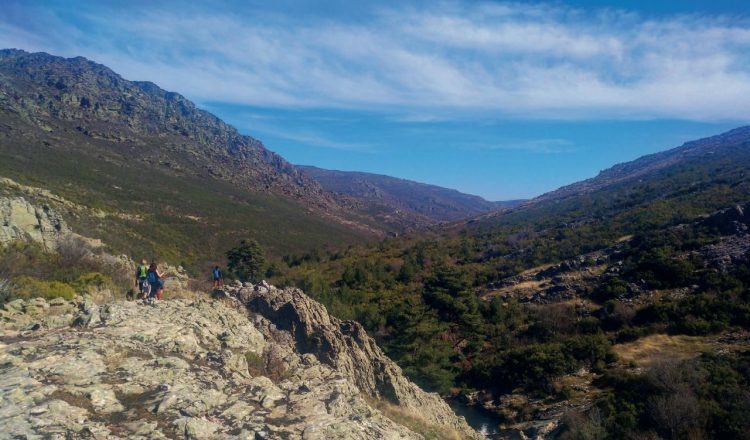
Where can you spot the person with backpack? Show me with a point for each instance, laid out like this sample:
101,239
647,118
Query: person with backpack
156,282
141,279
218,279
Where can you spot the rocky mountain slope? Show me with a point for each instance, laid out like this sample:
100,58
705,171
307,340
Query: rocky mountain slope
702,150
110,145
672,186
572,279
262,363
159,127
390,197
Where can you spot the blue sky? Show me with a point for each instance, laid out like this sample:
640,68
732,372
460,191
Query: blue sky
501,99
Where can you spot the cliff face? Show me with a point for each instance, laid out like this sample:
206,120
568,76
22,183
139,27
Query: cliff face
263,363
345,347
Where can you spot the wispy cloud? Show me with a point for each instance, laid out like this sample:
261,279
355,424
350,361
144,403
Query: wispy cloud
312,139
506,59
537,146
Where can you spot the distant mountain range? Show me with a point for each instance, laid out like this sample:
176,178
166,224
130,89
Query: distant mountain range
164,171
391,196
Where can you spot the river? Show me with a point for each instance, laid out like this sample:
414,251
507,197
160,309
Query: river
478,418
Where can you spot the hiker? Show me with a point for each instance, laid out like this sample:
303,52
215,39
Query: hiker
141,279
218,279
156,282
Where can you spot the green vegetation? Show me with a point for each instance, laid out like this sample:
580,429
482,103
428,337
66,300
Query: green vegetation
696,399
424,309
420,297
27,287
427,299
28,271
247,261
159,212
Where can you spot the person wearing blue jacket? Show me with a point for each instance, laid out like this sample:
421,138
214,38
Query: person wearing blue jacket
156,281
218,279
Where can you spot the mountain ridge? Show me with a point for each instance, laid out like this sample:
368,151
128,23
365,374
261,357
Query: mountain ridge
429,203
650,163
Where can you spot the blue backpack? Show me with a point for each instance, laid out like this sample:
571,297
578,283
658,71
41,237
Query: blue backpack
153,278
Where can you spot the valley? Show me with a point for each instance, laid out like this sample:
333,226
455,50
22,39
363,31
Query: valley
612,308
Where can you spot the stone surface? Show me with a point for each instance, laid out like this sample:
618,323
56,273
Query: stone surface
345,347
20,220
200,369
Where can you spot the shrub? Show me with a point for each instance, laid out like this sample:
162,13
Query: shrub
73,251
92,280
256,366
29,287
5,289
611,289
589,325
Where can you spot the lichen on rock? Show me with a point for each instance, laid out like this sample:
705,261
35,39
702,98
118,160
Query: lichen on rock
199,369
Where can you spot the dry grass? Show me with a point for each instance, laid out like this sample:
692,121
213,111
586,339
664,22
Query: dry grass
533,284
414,421
624,238
653,349
586,273
535,270
515,290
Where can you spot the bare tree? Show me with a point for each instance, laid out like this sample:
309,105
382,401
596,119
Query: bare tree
677,412
584,426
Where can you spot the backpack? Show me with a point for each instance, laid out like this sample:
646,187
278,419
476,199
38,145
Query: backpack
142,270
153,277
217,273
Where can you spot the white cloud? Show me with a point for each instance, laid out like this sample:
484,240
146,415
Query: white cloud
507,59
311,138
538,146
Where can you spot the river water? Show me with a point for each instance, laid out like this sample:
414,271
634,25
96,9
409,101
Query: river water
478,418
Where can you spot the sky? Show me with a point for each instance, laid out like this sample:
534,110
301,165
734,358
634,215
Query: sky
505,100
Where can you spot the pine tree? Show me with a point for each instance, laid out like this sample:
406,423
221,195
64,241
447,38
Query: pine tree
247,260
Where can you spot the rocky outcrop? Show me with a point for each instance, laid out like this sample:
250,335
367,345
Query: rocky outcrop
345,347
20,220
194,369
733,246
734,220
